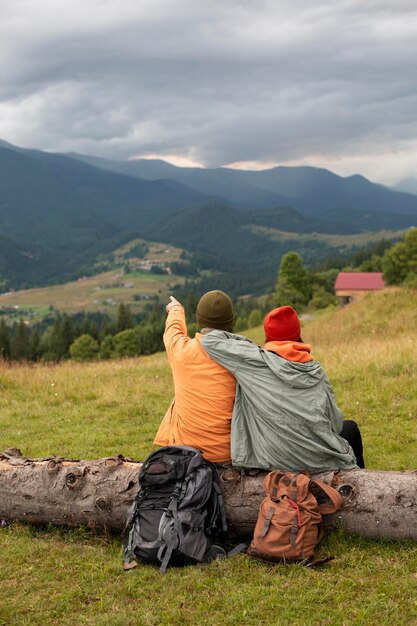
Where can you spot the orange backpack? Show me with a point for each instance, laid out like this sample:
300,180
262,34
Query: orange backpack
290,524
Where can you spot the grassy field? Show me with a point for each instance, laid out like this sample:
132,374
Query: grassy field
337,241
157,252
75,577
101,292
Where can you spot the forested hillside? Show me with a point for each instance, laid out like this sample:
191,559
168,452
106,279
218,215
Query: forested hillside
60,216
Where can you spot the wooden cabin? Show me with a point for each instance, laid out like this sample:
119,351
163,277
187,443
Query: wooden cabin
353,285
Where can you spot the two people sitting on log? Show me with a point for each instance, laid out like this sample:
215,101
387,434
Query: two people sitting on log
259,407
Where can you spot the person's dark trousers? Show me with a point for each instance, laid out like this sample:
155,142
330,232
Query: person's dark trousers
351,432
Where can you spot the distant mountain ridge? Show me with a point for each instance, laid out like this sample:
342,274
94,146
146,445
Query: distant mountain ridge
408,185
58,212
313,191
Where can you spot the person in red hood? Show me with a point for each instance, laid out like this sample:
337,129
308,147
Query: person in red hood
285,414
283,336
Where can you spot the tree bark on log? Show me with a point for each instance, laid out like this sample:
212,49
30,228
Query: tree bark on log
378,504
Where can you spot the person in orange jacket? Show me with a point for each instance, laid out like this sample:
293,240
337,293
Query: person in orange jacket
201,412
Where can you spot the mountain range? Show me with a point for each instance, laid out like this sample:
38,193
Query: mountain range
408,185
59,212
313,191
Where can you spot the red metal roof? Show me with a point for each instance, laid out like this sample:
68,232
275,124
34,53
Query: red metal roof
359,280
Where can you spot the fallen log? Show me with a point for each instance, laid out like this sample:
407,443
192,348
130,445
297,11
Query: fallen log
98,493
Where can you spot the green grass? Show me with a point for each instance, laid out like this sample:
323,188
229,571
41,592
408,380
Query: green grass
156,251
337,241
75,577
147,277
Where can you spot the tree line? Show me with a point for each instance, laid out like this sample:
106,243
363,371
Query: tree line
83,338
89,337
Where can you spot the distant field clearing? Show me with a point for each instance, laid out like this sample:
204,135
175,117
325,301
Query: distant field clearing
103,292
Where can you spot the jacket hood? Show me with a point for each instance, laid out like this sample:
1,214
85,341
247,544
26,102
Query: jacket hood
296,375
291,350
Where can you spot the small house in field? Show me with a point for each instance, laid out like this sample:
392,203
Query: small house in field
352,285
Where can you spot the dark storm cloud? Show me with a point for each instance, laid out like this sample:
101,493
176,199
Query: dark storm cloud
217,82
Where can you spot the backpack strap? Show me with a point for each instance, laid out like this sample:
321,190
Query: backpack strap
271,482
294,492
219,510
237,549
217,503
164,555
292,499
129,561
335,497
166,550
267,523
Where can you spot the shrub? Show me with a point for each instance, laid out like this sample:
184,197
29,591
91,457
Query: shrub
400,262
255,318
322,299
240,324
85,348
107,348
126,343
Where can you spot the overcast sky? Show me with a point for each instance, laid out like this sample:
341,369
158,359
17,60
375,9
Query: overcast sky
254,82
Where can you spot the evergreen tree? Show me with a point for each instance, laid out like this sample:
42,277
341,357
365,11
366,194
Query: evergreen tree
156,315
294,282
20,342
124,317
94,330
45,345
190,306
85,325
53,349
60,338
107,328
149,338
67,335
4,341
35,345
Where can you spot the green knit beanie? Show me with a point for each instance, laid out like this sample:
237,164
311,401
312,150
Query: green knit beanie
215,310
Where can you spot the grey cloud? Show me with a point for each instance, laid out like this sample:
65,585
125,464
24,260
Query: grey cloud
219,81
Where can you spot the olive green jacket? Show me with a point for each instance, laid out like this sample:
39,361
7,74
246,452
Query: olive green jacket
285,415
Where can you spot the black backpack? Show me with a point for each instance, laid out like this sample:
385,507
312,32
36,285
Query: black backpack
177,511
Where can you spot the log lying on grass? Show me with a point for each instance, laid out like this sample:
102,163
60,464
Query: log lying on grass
99,493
